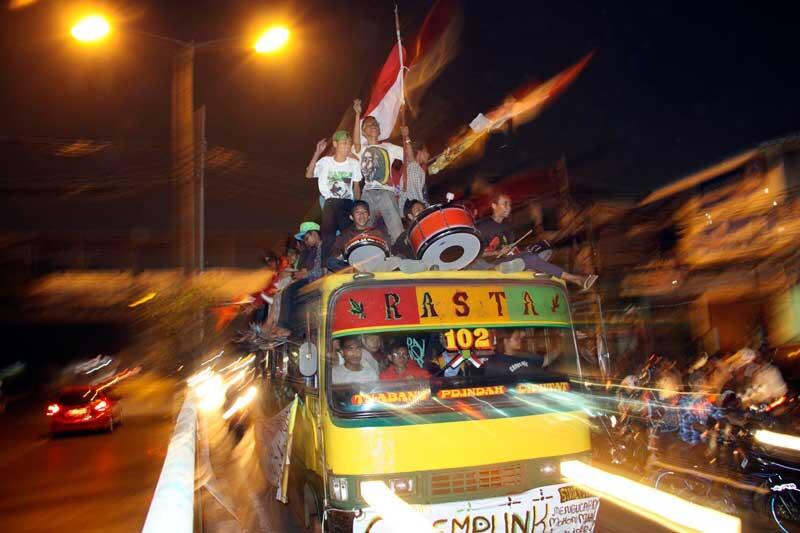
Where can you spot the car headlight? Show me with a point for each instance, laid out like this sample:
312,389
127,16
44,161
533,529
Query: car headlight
339,488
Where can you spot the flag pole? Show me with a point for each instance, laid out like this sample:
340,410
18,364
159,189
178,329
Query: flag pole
402,68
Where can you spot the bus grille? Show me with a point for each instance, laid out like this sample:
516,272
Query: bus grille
467,481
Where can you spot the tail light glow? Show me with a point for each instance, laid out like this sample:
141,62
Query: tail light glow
52,409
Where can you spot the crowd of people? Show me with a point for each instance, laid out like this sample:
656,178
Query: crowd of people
681,419
375,190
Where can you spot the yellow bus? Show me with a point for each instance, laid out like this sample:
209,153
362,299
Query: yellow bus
467,436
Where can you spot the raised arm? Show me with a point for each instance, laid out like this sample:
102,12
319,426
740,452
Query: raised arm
357,126
408,150
318,151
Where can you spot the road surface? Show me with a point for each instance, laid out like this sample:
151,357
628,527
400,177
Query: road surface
87,482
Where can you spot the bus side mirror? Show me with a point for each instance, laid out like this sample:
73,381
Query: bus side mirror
307,360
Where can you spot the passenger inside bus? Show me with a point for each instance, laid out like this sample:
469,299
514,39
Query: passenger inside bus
526,352
511,357
354,369
401,366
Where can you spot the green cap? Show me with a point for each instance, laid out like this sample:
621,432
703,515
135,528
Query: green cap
341,135
305,227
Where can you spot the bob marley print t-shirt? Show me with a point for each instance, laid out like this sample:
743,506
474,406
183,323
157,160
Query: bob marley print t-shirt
376,164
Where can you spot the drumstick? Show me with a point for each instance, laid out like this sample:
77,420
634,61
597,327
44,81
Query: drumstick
514,245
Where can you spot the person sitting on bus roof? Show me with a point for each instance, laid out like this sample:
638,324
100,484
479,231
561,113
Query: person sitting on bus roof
311,263
400,367
497,238
401,247
360,217
511,358
353,370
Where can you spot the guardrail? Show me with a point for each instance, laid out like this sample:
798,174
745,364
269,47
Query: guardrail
172,507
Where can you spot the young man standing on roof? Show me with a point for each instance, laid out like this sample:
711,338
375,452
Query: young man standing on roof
497,238
376,168
339,178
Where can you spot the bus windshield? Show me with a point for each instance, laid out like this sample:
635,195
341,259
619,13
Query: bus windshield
506,348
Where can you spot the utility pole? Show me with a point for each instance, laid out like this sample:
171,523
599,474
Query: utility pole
200,173
183,156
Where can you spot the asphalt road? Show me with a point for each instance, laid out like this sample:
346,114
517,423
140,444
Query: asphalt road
84,482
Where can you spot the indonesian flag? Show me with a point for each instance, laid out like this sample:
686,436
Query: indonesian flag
387,94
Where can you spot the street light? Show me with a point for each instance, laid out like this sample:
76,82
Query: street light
91,29
188,130
272,40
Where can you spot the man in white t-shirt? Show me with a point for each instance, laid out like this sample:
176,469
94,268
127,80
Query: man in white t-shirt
354,370
339,178
376,169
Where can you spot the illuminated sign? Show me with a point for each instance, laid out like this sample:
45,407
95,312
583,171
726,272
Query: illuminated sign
441,306
471,392
535,388
363,398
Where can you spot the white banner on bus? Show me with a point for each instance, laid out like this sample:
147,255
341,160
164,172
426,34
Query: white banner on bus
555,508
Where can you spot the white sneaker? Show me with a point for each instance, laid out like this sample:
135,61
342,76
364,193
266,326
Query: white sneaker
509,267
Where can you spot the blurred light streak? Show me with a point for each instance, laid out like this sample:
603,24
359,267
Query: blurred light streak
520,110
711,477
19,4
668,510
241,402
144,299
213,358
211,393
781,440
397,514
198,378
98,367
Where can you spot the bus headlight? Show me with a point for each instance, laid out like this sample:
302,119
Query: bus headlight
403,485
550,469
339,488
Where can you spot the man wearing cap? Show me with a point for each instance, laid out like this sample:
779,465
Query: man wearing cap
339,178
311,264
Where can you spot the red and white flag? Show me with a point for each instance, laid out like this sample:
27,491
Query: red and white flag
387,94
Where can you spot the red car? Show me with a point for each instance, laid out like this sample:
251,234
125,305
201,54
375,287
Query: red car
84,408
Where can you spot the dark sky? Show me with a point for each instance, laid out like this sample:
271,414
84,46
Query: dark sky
672,87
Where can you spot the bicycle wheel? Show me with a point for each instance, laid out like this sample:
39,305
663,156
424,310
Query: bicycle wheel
669,481
785,510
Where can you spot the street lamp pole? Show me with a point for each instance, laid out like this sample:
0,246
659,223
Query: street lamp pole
183,156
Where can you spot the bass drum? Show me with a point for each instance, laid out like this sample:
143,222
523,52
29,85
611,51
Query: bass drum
445,236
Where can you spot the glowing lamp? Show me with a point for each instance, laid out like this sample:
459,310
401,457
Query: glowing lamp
91,29
272,40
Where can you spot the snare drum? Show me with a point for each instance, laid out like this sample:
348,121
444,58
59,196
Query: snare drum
365,251
445,236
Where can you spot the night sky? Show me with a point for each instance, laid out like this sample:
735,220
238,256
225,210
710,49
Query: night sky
671,88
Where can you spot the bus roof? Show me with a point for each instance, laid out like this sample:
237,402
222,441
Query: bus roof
332,282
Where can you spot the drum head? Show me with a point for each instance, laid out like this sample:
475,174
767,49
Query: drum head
452,252
365,257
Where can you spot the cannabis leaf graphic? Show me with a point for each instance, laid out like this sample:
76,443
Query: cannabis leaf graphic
357,309
556,303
